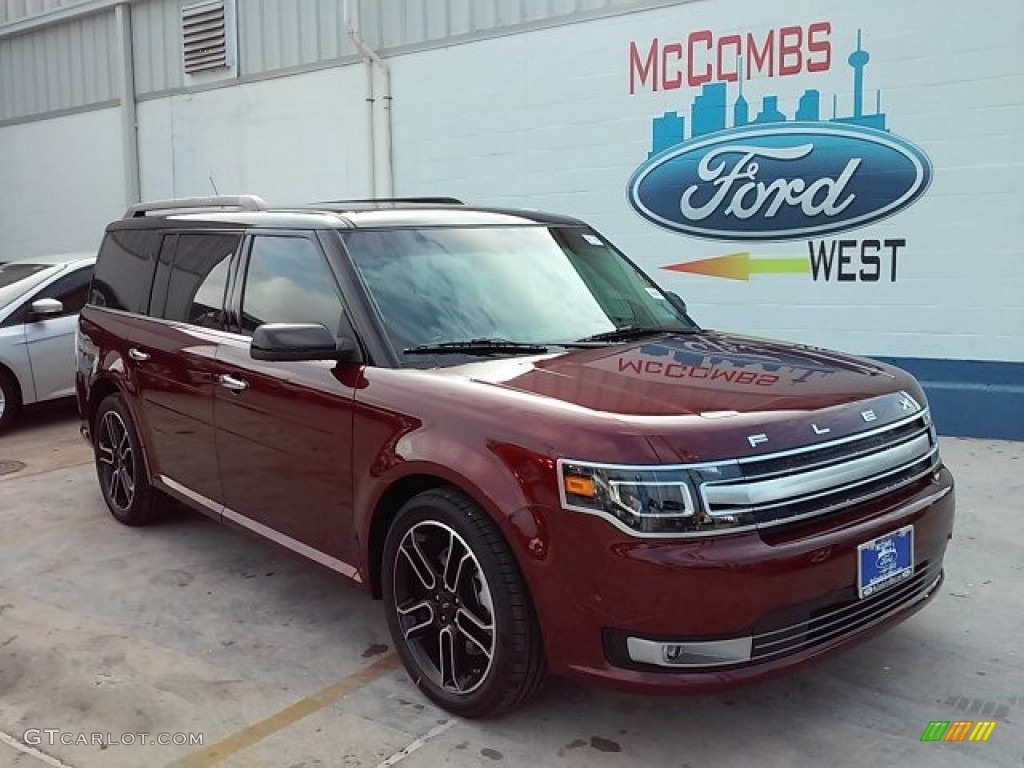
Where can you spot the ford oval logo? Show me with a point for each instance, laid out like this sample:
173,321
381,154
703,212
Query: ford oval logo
780,182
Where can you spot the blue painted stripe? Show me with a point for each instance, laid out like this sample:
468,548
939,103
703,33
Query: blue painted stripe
971,398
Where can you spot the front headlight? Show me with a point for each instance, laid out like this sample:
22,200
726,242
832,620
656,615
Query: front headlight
652,501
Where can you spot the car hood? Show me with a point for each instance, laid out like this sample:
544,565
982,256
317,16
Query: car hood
667,385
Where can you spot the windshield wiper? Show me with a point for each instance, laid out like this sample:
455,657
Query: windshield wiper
627,332
476,347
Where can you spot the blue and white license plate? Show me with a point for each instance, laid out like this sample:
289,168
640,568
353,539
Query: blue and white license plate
885,561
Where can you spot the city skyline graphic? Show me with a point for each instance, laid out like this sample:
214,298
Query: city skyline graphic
709,111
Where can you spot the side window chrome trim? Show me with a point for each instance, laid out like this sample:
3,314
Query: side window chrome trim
173,323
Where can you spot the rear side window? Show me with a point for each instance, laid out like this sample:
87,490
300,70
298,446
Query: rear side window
288,281
198,278
124,270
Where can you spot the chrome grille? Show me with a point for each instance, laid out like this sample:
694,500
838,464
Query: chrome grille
836,621
839,450
781,489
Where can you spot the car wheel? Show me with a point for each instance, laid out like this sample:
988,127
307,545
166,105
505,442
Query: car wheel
121,469
10,401
458,610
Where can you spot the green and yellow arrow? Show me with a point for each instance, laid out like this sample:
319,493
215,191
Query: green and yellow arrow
739,266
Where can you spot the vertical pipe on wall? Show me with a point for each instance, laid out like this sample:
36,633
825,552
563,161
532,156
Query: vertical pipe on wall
129,122
374,61
371,125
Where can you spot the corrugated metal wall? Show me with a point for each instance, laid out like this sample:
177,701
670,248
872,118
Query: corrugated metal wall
15,10
282,34
72,65
156,45
62,67
408,22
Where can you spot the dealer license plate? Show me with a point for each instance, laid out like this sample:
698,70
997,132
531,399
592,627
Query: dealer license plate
885,561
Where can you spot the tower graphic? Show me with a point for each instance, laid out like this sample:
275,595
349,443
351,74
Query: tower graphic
858,60
740,110
709,109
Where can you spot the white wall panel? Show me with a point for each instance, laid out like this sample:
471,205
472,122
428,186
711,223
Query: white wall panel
290,140
62,182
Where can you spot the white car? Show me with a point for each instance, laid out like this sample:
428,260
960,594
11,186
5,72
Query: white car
40,298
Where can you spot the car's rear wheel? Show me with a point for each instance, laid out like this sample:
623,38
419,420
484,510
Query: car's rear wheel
458,610
121,469
10,400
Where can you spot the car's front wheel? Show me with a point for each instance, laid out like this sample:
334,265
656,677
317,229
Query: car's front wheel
121,469
457,607
10,400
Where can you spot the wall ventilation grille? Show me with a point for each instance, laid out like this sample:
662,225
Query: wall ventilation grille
203,32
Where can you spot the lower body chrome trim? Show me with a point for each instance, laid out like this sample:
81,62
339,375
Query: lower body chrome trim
266,532
827,627
848,620
197,498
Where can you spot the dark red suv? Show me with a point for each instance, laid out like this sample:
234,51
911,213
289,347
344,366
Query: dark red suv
498,424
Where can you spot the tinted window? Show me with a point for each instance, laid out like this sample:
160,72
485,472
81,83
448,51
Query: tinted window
71,290
288,281
528,284
124,270
198,277
18,278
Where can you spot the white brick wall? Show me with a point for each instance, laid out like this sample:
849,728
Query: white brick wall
546,120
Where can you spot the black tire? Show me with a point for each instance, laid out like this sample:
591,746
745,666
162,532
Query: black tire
121,469
485,586
10,401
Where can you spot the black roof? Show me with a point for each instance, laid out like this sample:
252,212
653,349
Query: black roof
356,214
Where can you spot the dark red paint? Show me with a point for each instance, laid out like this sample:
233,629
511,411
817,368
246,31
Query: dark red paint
310,450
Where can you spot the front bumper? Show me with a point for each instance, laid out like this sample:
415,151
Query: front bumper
734,609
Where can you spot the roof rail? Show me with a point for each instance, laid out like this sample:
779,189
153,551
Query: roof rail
435,200
240,202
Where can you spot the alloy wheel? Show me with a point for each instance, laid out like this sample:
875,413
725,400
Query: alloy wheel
444,607
116,459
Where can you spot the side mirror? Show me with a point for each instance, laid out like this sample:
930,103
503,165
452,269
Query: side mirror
676,301
46,307
296,342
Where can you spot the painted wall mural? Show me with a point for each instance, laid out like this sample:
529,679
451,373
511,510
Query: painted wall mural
741,167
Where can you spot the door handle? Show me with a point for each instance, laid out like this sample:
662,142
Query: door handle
138,355
230,382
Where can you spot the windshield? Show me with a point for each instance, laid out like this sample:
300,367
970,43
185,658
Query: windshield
18,278
535,285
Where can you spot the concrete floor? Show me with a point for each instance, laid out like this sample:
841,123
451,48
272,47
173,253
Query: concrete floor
187,627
